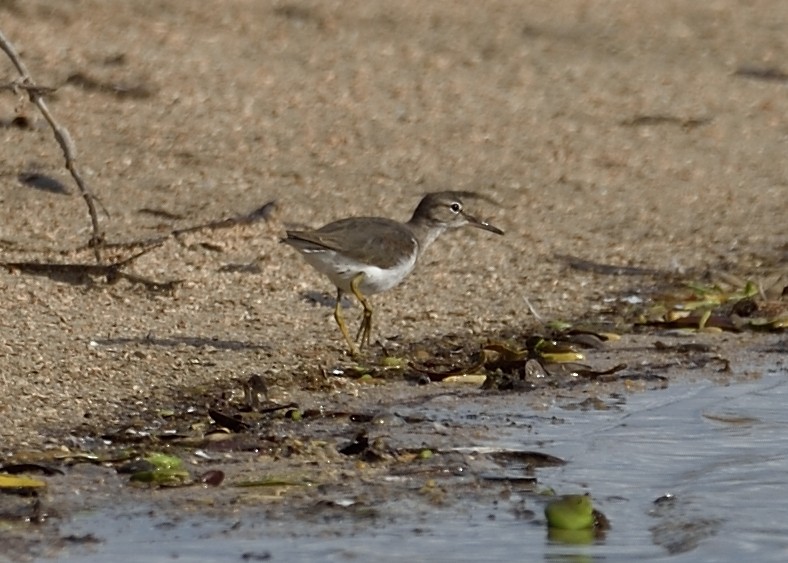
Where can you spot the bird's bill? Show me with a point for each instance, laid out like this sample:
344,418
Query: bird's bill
478,223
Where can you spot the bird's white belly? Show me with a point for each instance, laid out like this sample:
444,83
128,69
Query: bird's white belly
341,271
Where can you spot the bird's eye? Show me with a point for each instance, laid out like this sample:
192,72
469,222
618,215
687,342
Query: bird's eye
455,207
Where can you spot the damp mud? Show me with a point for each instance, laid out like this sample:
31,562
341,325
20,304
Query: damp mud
691,471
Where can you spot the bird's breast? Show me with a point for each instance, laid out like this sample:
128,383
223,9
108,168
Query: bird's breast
341,270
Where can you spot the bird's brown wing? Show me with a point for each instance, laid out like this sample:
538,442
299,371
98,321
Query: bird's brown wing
372,240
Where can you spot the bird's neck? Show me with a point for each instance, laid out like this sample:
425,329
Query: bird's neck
424,231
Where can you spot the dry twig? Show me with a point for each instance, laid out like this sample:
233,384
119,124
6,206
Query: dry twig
62,136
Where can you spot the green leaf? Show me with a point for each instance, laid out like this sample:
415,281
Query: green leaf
570,512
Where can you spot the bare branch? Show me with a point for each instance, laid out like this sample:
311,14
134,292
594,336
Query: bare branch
62,136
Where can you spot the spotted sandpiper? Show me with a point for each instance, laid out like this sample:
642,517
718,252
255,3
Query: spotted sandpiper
366,255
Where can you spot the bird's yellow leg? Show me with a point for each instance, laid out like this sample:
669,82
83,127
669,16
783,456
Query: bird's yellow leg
366,324
342,326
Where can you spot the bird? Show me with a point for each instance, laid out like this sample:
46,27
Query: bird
368,255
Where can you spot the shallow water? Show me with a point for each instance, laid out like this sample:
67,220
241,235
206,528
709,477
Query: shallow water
720,451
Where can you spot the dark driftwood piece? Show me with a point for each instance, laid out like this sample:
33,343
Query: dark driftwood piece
88,274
